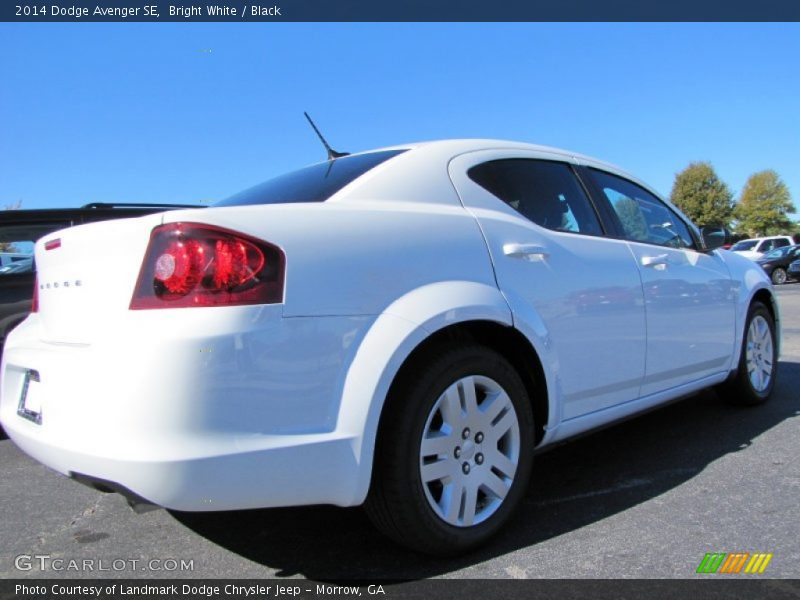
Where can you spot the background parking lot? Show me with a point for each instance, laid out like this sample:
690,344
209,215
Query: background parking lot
647,498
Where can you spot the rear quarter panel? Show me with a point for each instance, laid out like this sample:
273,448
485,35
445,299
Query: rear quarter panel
414,267
357,258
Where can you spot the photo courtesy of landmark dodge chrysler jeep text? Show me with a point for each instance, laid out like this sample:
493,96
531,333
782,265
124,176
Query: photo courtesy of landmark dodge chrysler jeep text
400,328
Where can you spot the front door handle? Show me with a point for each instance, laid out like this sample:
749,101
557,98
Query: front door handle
654,261
530,252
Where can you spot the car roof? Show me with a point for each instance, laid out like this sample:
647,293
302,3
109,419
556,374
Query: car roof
429,160
455,147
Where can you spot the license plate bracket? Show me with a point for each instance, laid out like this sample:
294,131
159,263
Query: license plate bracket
30,400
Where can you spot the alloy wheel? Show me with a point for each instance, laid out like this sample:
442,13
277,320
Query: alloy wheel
759,353
469,452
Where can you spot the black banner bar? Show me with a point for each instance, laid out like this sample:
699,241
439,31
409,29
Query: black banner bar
300,589
398,10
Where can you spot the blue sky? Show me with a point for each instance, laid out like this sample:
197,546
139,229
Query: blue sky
189,112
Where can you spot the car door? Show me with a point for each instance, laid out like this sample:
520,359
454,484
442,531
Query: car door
688,294
552,260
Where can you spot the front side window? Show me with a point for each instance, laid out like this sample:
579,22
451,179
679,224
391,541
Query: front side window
744,245
644,218
545,192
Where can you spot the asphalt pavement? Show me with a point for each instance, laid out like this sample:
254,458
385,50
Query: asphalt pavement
644,499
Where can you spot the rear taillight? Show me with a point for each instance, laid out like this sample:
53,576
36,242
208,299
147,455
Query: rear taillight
191,264
35,303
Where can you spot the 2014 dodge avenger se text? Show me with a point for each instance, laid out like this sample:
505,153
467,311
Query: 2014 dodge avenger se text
400,328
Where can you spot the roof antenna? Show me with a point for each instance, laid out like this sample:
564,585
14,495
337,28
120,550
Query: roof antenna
332,154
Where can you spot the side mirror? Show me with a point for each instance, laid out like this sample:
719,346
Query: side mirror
715,237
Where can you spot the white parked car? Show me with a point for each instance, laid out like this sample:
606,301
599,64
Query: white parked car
755,248
401,328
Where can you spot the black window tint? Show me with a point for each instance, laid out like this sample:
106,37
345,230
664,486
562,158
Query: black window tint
644,218
780,243
316,183
545,192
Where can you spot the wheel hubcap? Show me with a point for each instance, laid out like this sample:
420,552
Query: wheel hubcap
469,451
780,276
759,354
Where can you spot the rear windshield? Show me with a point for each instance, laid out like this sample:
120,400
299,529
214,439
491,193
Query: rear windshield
316,183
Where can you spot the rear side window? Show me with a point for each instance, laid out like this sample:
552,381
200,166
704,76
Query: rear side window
644,218
545,192
316,183
770,245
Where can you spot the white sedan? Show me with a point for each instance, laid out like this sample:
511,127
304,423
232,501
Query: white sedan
400,328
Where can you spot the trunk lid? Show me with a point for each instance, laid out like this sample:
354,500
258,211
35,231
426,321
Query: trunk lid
86,278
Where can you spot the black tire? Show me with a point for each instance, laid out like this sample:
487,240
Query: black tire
740,390
399,503
778,276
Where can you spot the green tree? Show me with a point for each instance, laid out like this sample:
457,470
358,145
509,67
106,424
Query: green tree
631,218
702,196
764,205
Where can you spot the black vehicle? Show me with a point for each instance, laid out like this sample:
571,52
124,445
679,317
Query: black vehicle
776,263
19,231
794,269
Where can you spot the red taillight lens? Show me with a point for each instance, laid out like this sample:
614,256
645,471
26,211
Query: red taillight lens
191,264
35,303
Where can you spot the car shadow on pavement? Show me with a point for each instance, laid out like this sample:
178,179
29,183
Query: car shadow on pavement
575,484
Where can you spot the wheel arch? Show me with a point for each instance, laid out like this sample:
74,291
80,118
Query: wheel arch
415,325
504,339
764,295
767,298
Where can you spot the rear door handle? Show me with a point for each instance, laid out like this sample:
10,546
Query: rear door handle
654,261
526,251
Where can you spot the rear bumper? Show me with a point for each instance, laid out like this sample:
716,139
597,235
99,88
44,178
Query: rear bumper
199,421
304,472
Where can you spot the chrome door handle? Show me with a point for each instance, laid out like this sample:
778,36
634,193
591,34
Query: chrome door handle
654,261
526,251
